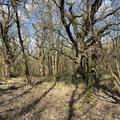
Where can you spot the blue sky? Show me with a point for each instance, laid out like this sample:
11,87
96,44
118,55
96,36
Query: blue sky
29,22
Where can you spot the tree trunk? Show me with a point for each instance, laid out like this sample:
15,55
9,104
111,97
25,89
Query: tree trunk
8,54
88,73
22,47
9,58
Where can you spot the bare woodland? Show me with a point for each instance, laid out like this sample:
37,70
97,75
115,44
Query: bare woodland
59,59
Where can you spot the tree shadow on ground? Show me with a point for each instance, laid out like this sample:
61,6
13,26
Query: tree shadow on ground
71,103
20,95
13,87
32,105
73,100
37,114
29,107
27,91
115,95
9,89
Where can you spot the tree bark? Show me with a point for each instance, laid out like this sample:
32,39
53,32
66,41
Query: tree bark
22,47
8,54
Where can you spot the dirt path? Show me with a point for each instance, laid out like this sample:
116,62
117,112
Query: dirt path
55,101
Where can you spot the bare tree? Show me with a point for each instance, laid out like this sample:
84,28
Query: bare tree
5,25
85,32
15,7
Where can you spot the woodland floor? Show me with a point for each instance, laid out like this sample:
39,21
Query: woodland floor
50,100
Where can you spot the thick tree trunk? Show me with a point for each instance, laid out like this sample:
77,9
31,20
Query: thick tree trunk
88,73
